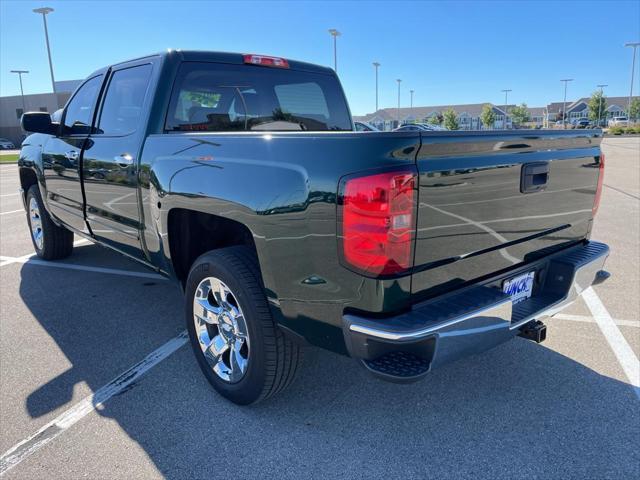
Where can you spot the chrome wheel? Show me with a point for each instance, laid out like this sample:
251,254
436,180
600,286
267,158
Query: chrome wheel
36,223
221,329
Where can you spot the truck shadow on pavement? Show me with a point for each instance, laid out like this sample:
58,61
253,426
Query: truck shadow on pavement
520,410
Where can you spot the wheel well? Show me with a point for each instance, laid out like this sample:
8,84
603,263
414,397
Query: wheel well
193,233
27,178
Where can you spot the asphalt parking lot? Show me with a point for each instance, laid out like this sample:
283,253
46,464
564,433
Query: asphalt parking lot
567,408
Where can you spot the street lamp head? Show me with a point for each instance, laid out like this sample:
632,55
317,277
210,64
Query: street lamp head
632,44
43,10
376,64
19,71
398,80
567,80
334,32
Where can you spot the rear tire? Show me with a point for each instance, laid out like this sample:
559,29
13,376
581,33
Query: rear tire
50,241
228,318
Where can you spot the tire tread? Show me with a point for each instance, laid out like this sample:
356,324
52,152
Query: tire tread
58,241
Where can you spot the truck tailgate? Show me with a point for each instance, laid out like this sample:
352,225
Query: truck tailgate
485,203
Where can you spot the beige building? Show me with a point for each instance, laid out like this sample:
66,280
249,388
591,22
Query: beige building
12,108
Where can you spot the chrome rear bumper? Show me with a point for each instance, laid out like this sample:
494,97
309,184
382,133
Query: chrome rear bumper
471,320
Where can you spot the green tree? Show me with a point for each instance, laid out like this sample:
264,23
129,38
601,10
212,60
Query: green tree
597,106
436,119
204,99
519,114
634,111
488,116
450,118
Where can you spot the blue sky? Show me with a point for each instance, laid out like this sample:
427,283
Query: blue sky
448,52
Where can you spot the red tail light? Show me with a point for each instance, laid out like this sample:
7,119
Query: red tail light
266,61
378,222
596,202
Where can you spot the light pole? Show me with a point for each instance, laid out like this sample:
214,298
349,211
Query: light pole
20,72
601,86
564,103
335,34
506,104
411,102
399,81
376,65
633,45
45,11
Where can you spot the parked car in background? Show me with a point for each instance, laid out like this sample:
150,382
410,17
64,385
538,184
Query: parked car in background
581,123
6,144
418,127
240,177
364,127
619,122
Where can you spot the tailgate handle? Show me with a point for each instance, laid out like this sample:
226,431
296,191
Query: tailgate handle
534,177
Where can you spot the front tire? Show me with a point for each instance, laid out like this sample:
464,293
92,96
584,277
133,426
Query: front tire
50,241
239,348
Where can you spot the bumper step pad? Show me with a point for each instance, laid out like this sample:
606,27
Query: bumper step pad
400,366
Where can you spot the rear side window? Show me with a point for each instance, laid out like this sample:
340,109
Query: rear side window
122,107
302,98
79,112
216,97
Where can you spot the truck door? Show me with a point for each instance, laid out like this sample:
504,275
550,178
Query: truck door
62,156
110,162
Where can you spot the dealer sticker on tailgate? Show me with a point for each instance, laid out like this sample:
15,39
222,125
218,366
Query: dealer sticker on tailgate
519,288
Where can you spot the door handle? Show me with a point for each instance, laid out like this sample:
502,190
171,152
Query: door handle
72,155
534,177
124,160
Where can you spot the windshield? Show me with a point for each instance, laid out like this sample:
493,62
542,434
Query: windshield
220,97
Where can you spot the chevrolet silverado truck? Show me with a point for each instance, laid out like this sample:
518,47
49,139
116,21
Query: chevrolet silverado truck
241,178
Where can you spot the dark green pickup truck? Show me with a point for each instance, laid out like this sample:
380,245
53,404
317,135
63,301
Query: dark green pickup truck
242,178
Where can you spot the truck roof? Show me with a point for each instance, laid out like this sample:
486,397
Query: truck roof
223,57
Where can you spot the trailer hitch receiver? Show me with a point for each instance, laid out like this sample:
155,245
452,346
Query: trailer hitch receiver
535,330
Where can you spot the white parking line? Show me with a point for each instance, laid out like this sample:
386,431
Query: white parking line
116,200
31,260
627,359
8,260
12,211
10,194
51,430
587,319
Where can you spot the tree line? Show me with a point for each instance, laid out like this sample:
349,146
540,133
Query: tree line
520,113
449,118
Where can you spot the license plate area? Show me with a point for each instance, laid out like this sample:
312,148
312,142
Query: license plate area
519,288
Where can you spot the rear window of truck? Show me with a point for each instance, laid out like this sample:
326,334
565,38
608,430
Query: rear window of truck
213,97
